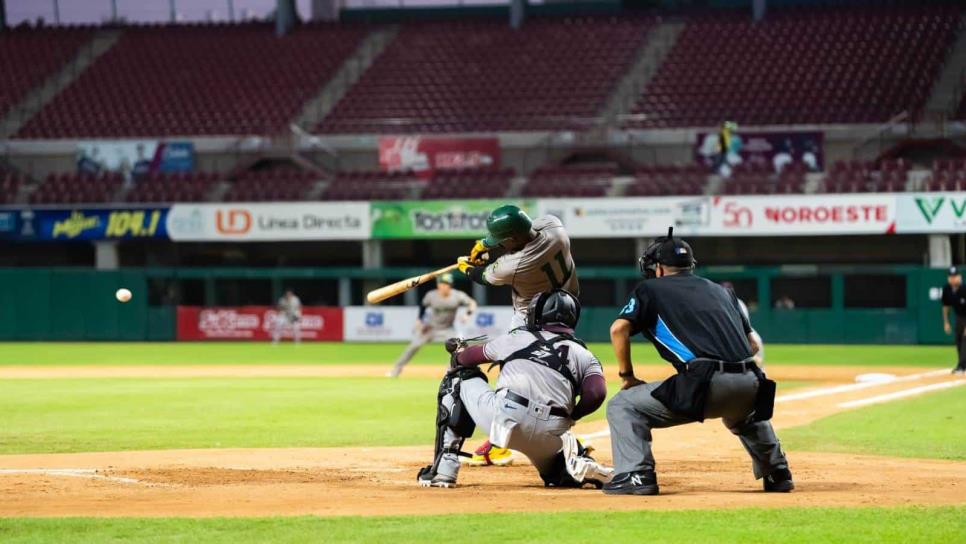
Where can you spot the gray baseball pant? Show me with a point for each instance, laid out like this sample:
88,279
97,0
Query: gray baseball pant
419,340
632,413
532,430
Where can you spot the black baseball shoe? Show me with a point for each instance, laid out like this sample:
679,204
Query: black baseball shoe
641,482
779,481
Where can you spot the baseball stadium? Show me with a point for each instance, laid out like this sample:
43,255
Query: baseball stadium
389,271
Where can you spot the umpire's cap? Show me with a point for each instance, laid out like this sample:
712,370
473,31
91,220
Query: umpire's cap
953,271
505,222
668,251
557,306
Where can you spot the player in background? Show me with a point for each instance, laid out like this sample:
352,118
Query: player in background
760,354
436,323
289,315
530,257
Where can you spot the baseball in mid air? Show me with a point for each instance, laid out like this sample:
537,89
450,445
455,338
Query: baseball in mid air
123,295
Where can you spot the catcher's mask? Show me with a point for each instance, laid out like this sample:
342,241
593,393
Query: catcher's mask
666,251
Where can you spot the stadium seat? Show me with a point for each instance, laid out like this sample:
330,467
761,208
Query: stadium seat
175,80
807,65
484,76
28,56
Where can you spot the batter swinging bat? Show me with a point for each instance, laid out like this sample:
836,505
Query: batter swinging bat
386,292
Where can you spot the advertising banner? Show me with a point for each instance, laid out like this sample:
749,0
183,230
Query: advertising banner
802,215
630,217
435,218
134,158
487,321
931,213
256,323
380,324
776,149
81,224
269,222
424,155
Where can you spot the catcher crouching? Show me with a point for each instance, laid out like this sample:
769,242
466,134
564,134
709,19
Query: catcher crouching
548,380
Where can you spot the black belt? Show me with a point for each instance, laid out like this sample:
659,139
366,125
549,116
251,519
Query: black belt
739,367
525,402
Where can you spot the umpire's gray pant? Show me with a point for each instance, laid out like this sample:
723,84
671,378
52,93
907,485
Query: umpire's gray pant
532,430
632,413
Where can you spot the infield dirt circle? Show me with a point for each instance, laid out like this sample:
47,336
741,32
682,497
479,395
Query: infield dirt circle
699,466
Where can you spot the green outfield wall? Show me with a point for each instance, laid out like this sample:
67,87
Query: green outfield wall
855,305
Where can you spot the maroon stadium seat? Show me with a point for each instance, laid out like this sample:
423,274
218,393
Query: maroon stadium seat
197,80
485,76
848,65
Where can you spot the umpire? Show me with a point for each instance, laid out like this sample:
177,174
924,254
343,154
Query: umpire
696,325
954,301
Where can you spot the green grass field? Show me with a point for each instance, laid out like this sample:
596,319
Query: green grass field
71,415
244,353
83,414
766,526
930,426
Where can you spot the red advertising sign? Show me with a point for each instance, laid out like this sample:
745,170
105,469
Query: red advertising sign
425,155
256,323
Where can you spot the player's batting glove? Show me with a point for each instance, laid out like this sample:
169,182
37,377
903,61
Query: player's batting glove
480,254
465,265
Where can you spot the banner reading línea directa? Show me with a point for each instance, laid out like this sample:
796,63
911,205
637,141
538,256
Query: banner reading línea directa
436,219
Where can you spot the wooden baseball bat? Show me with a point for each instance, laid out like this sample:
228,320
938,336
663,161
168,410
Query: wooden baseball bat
388,291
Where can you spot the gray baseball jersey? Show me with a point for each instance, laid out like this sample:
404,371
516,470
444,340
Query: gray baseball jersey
543,264
291,307
535,381
442,310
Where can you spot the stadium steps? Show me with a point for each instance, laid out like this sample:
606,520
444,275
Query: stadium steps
660,41
18,116
351,70
945,96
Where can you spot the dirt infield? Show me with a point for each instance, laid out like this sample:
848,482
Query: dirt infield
368,481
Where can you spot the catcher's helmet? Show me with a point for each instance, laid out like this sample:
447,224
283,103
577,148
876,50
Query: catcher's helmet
668,251
557,306
505,222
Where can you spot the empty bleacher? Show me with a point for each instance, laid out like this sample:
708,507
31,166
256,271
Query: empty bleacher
173,187
197,80
485,76
849,65
29,56
271,185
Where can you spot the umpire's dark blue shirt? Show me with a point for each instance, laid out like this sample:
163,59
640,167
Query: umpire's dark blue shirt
686,316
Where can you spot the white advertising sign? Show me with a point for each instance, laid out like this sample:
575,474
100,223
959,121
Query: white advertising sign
245,222
488,321
379,324
630,217
871,213
931,213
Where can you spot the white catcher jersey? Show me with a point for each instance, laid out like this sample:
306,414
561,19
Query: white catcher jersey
543,264
535,381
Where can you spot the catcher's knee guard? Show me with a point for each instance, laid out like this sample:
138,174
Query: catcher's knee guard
451,415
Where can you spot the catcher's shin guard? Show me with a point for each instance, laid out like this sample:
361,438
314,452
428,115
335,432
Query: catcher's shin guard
573,467
451,415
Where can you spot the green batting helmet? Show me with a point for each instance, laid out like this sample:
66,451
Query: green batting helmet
505,222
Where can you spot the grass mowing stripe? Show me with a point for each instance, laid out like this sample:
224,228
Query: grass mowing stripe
929,426
788,526
314,353
111,414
